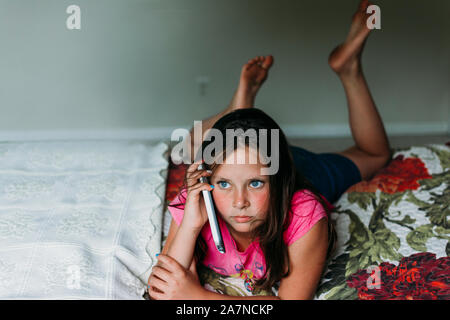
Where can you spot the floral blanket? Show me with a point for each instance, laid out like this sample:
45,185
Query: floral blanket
393,233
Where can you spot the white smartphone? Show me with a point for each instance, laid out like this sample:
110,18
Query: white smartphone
209,204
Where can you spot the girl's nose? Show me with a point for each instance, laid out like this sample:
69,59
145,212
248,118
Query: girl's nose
240,201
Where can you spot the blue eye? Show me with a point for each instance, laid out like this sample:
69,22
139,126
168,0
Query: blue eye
256,184
223,184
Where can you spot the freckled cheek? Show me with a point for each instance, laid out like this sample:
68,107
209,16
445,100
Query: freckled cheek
260,203
222,202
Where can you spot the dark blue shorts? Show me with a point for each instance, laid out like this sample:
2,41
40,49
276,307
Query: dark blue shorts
331,173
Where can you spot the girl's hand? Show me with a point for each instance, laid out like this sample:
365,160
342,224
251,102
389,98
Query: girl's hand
173,282
195,215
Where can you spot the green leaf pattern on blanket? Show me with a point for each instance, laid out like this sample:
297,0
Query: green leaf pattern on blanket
374,243
418,237
363,199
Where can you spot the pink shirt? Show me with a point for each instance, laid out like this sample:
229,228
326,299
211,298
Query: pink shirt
306,211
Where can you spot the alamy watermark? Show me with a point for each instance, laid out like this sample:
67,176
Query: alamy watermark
73,21
234,140
73,277
374,280
374,21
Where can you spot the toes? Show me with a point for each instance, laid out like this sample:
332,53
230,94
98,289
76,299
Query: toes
255,60
363,5
267,63
250,63
263,62
260,60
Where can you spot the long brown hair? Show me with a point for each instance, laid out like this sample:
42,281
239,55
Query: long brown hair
283,184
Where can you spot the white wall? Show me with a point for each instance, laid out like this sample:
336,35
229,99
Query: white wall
134,64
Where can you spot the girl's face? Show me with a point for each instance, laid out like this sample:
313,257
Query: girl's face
241,193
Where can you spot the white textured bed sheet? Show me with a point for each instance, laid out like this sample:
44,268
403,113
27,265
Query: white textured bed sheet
80,219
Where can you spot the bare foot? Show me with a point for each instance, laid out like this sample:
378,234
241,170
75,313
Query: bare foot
253,75
345,59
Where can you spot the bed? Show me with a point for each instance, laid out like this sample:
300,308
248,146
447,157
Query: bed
393,232
80,219
84,220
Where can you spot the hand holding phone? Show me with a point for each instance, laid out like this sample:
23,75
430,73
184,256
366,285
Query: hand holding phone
209,204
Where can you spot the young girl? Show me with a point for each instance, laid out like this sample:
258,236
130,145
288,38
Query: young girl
275,227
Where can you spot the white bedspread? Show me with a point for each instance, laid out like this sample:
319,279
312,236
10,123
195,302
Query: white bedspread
80,219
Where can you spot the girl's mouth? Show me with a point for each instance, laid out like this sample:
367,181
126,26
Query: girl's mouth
242,219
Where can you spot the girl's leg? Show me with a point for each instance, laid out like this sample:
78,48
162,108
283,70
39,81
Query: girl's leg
333,173
371,151
253,75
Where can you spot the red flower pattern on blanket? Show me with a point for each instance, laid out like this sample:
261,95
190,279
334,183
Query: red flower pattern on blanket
400,175
175,180
418,277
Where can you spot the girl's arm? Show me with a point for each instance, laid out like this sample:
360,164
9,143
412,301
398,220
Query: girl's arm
171,249
307,258
180,244
181,248
175,283
181,240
